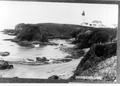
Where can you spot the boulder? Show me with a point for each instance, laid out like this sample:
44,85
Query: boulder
4,53
10,67
5,65
54,77
43,59
25,44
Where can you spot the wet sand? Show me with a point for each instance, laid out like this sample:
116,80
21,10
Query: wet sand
63,70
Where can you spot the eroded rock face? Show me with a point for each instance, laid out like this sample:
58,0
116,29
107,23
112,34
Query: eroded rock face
31,33
96,54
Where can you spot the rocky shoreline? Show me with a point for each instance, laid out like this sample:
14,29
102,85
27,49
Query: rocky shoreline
92,45
44,60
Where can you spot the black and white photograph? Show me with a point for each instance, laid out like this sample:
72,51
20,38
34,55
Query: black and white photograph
58,41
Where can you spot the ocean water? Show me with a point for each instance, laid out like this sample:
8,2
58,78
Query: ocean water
19,53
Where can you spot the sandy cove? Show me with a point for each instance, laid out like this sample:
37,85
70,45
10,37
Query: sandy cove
63,70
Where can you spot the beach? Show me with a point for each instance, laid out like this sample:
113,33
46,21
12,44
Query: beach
64,70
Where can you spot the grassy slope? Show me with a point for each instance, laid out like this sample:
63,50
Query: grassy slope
99,63
105,70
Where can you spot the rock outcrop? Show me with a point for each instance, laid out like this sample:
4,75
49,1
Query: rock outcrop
43,59
4,65
54,77
86,37
43,31
4,53
31,33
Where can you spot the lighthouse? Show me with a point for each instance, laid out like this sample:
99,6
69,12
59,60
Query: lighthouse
83,13
83,20
83,16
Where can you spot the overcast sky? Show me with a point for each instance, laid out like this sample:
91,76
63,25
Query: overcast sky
13,12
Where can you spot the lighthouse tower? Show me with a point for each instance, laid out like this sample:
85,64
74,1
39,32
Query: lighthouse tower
83,20
83,16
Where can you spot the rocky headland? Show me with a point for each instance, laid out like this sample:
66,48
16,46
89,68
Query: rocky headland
101,45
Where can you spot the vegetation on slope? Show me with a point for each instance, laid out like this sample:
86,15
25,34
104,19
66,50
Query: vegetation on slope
44,31
87,36
97,53
84,36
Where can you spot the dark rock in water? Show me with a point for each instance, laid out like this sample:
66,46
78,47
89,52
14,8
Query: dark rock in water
4,53
54,77
62,60
25,44
5,65
66,60
96,54
43,59
69,56
10,67
11,32
30,60
7,39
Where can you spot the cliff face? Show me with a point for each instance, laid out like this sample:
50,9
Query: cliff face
31,33
84,36
96,54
